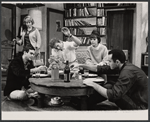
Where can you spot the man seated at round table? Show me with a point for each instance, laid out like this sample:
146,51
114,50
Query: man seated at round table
19,70
129,92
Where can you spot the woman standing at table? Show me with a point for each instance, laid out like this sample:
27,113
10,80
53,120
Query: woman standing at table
65,50
30,36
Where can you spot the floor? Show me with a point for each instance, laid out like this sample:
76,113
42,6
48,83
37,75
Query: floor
9,105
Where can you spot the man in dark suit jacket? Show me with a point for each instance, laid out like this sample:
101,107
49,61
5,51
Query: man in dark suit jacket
19,70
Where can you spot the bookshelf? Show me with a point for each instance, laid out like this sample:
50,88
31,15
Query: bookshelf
83,18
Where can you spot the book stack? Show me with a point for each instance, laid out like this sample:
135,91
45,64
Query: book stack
101,21
79,10
102,31
85,41
100,12
100,4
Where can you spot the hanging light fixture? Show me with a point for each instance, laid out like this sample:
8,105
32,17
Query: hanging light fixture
36,14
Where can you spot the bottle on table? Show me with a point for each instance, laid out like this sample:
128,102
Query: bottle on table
67,72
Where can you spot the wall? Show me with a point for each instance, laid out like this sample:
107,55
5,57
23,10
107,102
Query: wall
144,31
141,32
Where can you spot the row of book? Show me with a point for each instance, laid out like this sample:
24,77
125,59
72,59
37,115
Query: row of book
80,12
78,5
72,22
84,12
101,12
85,40
102,31
83,31
77,31
101,21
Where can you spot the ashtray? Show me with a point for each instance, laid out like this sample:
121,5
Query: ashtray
56,101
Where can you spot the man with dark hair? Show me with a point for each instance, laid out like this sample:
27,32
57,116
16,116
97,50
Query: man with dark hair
130,91
19,70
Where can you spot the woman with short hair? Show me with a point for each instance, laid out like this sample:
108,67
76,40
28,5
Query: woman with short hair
30,36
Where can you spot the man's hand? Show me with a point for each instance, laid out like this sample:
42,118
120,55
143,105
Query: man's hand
76,65
42,68
88,82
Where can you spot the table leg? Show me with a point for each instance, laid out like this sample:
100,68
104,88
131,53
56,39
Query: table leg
83,104
41,100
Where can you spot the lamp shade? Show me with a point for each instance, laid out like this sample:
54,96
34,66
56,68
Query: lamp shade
37,17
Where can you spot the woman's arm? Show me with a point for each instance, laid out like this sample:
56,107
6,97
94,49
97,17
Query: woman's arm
76,40
38,39
19,41
88,58
66,32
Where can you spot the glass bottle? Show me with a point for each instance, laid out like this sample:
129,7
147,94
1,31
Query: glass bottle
67,72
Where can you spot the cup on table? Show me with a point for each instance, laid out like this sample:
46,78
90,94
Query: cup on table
75,75
86,73
38,74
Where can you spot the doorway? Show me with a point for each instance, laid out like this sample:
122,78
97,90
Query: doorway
55,21
120,30
8,33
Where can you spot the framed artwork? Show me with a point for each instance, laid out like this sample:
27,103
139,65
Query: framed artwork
58,25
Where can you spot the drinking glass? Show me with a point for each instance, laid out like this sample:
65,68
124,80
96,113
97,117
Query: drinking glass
38,74
86,73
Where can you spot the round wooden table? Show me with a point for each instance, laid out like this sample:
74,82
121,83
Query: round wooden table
47,86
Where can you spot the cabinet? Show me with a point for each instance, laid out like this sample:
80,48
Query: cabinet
144,63
83,18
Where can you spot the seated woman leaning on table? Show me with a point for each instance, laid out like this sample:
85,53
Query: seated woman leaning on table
63,51
97,53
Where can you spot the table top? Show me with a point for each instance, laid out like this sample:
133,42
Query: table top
48,82
59,87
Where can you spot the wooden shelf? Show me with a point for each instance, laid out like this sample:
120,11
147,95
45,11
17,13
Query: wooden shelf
80,17
24,5
144,66
117,7
82,26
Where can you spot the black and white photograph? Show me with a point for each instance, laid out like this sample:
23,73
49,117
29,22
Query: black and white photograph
74,60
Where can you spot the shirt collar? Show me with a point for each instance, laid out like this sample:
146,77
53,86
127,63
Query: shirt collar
122,67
